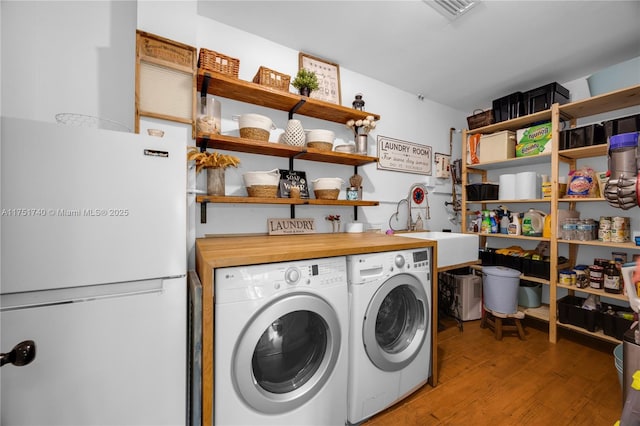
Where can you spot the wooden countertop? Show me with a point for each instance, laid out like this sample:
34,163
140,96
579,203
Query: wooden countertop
218,252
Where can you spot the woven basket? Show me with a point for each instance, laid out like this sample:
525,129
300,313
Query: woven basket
263,191
326,194
480,119
274,79
214,61
320,146
254,133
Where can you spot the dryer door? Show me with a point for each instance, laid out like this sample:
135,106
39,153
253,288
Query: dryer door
286,353
396,322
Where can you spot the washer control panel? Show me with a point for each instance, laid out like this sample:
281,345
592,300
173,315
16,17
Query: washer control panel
258,281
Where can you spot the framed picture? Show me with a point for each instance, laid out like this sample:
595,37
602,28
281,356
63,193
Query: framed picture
328,76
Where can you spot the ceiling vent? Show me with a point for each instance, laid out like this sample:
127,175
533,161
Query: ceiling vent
451,9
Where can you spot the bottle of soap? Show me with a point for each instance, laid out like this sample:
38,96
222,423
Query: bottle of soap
514,226
494,222
504,221
485,226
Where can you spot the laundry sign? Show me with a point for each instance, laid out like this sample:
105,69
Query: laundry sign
402,156
289,226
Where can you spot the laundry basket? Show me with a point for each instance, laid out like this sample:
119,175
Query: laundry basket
500,289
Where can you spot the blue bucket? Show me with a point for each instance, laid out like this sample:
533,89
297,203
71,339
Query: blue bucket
617,353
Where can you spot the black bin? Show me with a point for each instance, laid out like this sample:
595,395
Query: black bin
541,98
592,134
618,126
508,107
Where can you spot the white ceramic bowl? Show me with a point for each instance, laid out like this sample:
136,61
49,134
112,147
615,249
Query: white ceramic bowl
256,121
320,135
327,183
271,177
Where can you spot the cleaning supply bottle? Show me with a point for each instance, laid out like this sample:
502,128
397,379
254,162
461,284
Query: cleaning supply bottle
546,232
485,226
504,220
494,222
514,226
532,223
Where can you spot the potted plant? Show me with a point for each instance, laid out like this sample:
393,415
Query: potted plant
215,164
306,82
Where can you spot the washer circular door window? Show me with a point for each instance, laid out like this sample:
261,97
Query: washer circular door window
286,353
396,321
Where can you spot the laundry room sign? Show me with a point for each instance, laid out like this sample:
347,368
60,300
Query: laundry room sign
289,226
401,156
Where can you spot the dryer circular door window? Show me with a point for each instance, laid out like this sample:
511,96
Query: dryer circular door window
286,353
396,321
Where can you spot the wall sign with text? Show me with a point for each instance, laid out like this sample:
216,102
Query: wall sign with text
402,156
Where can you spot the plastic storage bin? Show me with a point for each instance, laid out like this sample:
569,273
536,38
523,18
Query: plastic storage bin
617,126
616,325
570,312
582,136
482,191
508,107
541,98
500,289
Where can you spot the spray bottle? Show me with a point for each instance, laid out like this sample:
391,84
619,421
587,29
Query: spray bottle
504,220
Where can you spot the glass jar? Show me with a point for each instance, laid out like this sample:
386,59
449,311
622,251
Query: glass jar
569,228
358,103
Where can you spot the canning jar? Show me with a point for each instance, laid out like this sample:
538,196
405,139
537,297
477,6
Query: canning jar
569,228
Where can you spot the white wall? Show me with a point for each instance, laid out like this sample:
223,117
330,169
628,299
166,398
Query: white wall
79,57
403,117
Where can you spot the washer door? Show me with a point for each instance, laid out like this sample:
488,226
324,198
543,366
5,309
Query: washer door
286,353
396,321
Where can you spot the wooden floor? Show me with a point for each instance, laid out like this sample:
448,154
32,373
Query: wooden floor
512,382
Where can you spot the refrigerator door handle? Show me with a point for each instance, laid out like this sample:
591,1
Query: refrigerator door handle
21,354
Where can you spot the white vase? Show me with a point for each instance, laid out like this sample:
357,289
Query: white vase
294,133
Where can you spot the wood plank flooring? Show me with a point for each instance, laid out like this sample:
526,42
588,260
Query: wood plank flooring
484,381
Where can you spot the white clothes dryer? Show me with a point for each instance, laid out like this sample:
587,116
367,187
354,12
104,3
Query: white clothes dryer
281,341
390,329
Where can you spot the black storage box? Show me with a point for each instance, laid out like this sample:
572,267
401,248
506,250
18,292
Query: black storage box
621,125
482,191
615,325
592,134
536,268
541,98
508,107
570,312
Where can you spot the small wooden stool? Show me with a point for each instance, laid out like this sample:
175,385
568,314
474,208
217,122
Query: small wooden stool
494,320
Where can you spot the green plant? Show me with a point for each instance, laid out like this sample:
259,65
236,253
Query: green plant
306,78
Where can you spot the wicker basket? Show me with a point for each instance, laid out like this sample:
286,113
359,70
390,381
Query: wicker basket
320,146
263,191
274,79
254,133
214,61
326,194
480,119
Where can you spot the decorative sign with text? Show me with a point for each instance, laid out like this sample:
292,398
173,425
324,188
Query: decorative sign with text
289,226
401,156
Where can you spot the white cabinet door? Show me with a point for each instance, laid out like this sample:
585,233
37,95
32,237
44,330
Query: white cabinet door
106,359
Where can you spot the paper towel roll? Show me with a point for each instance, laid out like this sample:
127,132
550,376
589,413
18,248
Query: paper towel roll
527,186
507,189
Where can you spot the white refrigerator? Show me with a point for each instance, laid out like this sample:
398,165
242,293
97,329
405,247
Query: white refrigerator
93,271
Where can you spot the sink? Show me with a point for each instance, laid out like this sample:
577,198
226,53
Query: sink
453,248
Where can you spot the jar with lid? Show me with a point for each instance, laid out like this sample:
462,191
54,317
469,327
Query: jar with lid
569,228
596,276
612,280
358,102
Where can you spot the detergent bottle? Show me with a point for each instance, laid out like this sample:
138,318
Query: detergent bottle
533,223
546,232
485,225
514,226
494,222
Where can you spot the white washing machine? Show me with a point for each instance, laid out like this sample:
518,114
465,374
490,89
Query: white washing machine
281,341
390,329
